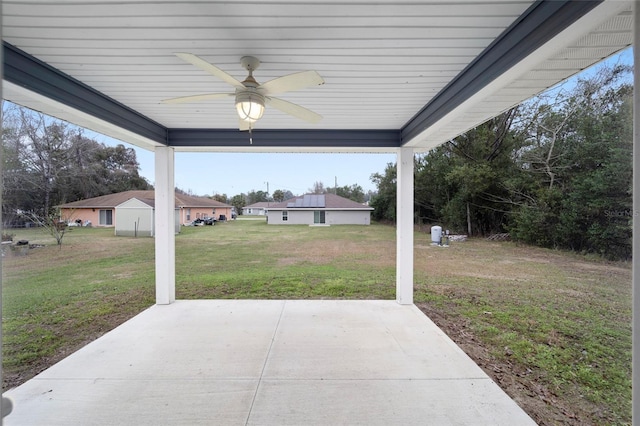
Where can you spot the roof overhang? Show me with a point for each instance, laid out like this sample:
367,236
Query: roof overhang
548,42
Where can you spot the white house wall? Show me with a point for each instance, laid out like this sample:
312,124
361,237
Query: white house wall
254,211
332,217
142,218
344,217
177,221
134,221
299,218
133,218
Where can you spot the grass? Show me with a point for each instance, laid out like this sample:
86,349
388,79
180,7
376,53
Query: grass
560,320
56,299
553,328
284,262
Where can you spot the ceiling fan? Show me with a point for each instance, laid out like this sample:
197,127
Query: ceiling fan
250,96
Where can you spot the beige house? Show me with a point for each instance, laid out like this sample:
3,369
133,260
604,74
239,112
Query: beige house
319,209
101,211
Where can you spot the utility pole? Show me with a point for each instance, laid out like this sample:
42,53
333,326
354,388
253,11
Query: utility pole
267,193
335,191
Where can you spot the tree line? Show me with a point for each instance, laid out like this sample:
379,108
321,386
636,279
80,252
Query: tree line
555,171
49,162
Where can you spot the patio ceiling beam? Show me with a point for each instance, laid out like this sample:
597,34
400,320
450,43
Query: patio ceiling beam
34,75
538,25
359,139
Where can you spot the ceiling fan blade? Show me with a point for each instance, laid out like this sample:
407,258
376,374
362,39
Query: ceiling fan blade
195,98
292,82
210,68
294,110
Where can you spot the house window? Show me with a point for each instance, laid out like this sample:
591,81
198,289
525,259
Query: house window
188,214
285,215
250,211
106,217
318,216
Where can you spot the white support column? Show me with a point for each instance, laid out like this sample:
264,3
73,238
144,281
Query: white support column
165,226
636,223
404,227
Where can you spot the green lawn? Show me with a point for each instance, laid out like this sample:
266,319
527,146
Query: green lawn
248,259
552,328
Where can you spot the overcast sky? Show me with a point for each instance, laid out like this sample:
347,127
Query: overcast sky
235,173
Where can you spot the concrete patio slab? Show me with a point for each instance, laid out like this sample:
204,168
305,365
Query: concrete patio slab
270,362
383,402
367,340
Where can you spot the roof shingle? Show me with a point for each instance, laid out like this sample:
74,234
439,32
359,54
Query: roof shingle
325,201
112,200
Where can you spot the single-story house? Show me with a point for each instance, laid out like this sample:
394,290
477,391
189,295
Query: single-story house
136,218
100,211
319,209
256,209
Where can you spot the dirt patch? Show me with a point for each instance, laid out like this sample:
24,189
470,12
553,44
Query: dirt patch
523,386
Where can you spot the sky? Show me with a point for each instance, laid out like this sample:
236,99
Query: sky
203,173
209,173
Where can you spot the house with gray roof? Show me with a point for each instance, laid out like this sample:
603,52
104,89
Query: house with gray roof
319,210
256,209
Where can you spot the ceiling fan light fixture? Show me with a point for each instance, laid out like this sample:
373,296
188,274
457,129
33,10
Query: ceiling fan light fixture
252,96
250,106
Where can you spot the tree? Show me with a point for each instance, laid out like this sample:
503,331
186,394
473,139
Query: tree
42,150
120,168
52,223
96,169
555,172
239,201
47,162
478,177
462,184
288,195
581,198
384,203
433,190
220,197
318,188
257,197
16,196
278,195
353,192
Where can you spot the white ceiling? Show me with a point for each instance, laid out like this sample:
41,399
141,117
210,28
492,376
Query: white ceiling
382,61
